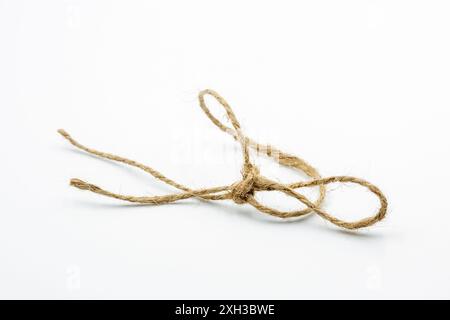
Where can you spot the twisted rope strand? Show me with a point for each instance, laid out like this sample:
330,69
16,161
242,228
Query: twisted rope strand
252,182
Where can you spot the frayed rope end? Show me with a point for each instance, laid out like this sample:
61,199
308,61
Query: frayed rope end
63,133
80,184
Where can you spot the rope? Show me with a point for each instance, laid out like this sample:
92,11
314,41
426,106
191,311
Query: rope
252,181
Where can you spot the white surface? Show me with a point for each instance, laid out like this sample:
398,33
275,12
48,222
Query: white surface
354,87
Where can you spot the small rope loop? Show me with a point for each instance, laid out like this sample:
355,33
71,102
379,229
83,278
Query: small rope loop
236,133
226,106
243,191
265,184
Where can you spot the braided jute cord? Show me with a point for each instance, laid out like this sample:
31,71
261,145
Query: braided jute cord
244,190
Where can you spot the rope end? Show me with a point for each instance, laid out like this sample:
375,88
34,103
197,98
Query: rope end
80,184
63,133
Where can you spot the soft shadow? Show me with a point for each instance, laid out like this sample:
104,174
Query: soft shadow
224,208
136,173
121,206
246,212
361,234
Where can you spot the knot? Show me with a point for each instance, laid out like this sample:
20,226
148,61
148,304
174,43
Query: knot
241,190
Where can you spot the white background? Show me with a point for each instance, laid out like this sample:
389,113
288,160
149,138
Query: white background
354,87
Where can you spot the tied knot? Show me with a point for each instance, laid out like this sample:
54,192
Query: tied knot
241,190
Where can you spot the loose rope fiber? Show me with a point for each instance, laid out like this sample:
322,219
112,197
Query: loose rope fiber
243,191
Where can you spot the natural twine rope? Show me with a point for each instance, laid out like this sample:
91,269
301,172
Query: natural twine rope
244,190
